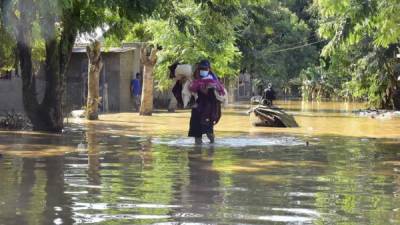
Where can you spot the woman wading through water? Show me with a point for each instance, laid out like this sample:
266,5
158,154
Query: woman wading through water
208,93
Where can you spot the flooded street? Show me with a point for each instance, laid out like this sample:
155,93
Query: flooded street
127,169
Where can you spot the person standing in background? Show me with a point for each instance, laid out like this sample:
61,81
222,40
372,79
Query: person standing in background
268,95
136,91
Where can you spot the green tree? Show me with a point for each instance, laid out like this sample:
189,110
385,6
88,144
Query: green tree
233,35
58,23
368,32
7,47
192,30
271,43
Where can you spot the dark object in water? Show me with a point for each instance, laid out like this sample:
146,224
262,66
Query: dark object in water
272,117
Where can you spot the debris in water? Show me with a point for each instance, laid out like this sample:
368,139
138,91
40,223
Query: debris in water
272,117
78,113
378,114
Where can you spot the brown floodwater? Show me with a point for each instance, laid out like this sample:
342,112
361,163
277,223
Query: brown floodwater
126,169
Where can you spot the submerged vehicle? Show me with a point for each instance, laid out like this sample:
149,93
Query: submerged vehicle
270,116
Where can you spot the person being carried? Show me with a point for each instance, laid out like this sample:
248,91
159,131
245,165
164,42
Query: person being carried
206,112
136,91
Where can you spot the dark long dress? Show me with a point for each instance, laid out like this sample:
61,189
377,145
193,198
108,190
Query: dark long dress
177,91
205,114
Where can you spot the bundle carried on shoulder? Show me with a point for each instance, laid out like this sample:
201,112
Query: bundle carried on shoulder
186,86
183,71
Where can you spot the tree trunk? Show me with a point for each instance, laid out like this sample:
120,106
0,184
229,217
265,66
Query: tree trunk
146,108
51,107
94,160
47,115
93,52
24,50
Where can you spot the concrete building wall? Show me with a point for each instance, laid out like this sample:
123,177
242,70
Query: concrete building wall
11,94
136,65
75,93
114,81
119,66
112,72
126,73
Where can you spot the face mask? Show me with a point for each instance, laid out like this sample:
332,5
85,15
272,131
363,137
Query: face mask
204,73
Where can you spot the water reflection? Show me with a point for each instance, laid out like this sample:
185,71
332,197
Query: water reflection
31,192
201,195
93,159
125,176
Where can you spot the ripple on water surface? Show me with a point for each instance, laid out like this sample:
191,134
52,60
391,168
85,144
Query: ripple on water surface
233,142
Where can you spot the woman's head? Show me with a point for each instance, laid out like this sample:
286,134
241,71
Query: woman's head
204,68
204,64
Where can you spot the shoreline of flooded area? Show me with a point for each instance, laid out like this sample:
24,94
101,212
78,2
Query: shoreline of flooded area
336,168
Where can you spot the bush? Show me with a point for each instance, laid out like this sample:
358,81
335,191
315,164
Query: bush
14,121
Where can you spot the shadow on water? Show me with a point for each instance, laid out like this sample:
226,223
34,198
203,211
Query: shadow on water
117,174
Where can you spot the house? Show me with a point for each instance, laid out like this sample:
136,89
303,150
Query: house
119,65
